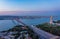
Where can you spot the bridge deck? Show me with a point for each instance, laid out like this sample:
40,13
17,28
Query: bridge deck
42,33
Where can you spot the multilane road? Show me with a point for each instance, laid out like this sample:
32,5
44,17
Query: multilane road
42,34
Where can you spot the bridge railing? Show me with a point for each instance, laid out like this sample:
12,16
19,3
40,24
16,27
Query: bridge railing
42,34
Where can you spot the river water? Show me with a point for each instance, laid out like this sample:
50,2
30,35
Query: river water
7,24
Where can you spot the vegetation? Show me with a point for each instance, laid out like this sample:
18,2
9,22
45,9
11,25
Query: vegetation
18,29
32,34
54,29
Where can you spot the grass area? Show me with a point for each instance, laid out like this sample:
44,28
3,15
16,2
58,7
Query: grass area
50,28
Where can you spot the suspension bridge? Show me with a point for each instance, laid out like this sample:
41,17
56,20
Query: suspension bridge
40,33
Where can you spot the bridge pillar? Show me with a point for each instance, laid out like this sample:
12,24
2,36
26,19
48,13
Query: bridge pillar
51,19
42,34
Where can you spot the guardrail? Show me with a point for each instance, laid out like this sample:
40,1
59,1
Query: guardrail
42,34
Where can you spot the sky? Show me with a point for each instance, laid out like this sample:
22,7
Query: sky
29,5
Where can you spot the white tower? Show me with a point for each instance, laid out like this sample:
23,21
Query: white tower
51,19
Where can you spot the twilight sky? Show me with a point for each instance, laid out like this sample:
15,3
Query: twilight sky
29,5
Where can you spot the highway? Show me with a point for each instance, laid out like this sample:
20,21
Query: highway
42,34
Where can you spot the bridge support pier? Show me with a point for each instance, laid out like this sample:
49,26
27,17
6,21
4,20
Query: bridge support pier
41,34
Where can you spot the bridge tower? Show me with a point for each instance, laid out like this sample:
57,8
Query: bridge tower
51,19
